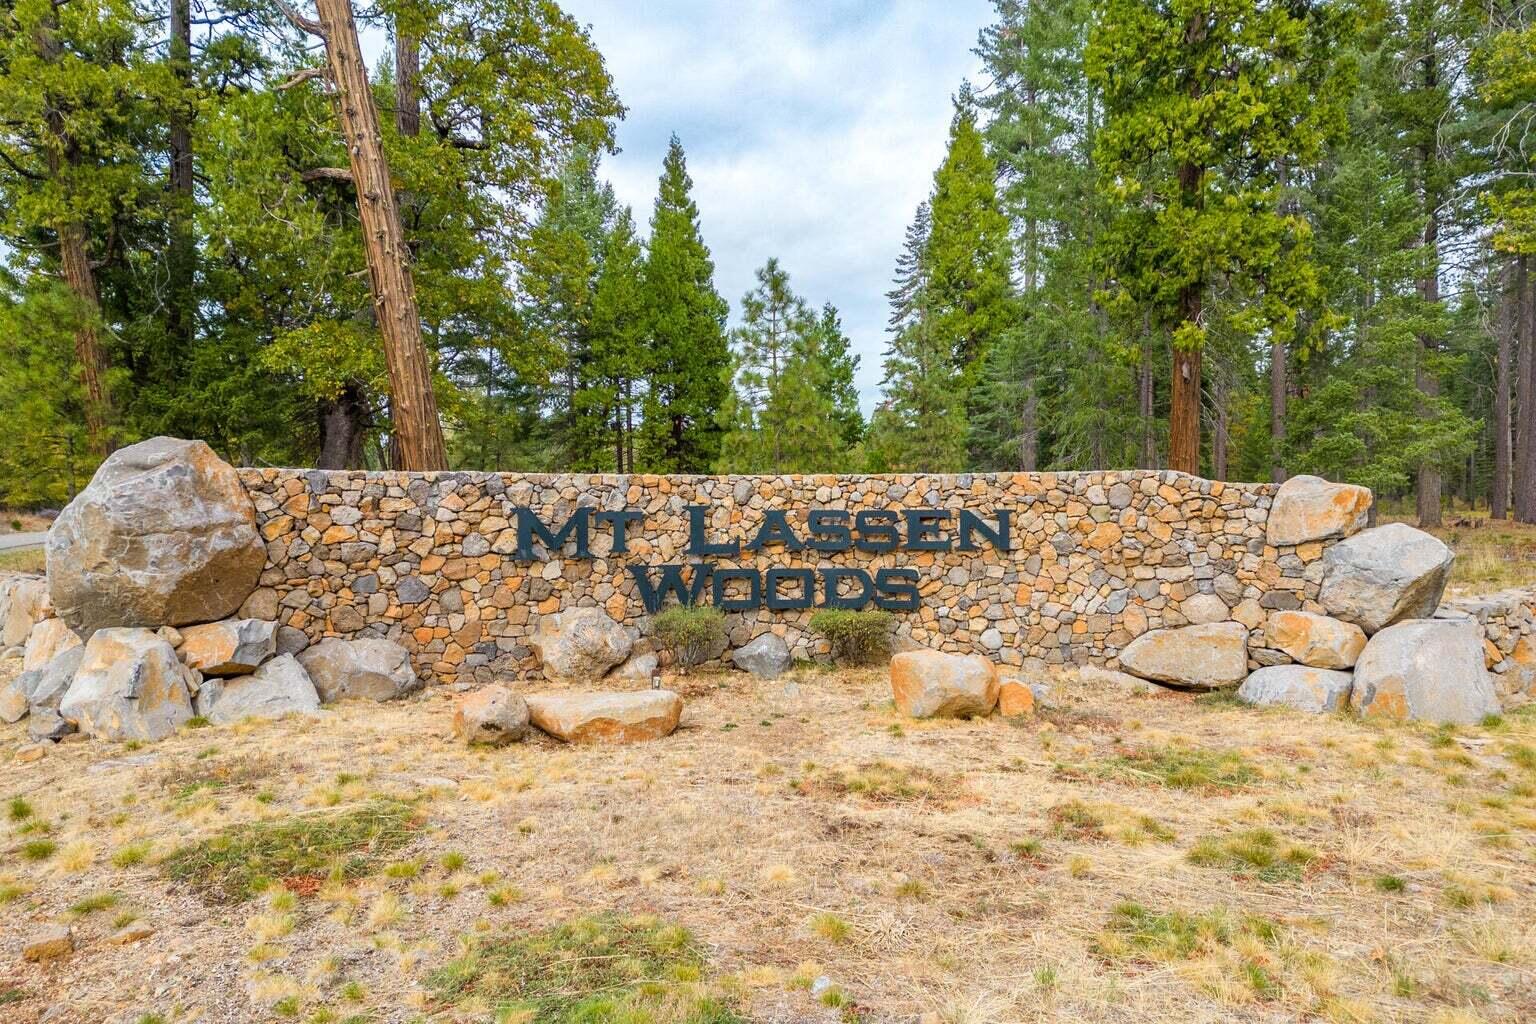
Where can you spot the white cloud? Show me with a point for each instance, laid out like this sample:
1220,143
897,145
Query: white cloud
812,129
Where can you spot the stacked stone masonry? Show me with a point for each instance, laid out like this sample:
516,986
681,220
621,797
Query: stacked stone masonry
1097,559
1508,621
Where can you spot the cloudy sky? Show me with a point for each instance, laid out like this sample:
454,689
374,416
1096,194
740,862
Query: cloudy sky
812,129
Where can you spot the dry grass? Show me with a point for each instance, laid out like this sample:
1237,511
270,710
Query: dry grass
1491,554
23,560
1123,859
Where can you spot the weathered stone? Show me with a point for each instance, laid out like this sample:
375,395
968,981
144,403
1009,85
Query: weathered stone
27,604
1015,697
290,640
493,716
234,647
360,669
47,725
1099,678
279,687
934,684
1309,508
41,688
1316,690
1385,575
1202,609
129,686
1425,669
638,668
766,657
50,943
262,604
1191,657
164,534
1315,640
49,638
134,931
624,717
579,645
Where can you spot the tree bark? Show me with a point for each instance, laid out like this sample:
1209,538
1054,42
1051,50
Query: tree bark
413,407
1184,406
181,309
79,276
1145,395
1278,385
344,423
1220,425
1498,497
407,83
1524,456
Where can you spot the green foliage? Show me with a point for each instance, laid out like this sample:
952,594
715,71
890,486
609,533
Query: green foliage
856,637
1258,852
689,632
605,968
238,862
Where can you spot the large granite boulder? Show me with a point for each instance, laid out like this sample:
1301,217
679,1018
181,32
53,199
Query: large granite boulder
26,604
49,639
233,647
766,657
279,687
1315,640
1309,508
366,669
1425,669
164,535
41,688
579,645
130,686
1385,575
491,716
934,684
1204,657
1317,690
625,717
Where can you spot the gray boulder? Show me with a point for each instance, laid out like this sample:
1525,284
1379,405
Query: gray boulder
1316,690
47,724
1385,575
164,535
1203,657
366,669
279,687
130,686
579,645
1428,670
25,604
41,688
766,657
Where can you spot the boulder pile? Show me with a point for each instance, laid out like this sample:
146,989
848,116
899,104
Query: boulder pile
1370,642
136,629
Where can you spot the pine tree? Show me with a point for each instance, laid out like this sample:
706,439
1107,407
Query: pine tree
1204,102
610,399
839,366
688,355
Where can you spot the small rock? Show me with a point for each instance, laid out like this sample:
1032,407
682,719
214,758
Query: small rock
1203,609
1098,676
233,647
280,687
130,933
493,716
368,669
637,668
934,684
290,640
32,752
49,639
1309,508
1015,697
606,717
1315,690
51,943
46,725
1194,657
766,657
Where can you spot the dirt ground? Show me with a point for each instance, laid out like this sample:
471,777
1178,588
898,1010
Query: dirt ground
1117,858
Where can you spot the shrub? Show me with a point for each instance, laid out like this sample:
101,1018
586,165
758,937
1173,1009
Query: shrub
856,637
690,633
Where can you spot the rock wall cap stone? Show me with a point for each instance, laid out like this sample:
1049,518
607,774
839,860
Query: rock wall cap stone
1309,508
164,535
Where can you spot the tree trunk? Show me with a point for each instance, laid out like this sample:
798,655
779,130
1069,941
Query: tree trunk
1509,307
1145,395
413,407
344,423
407,84
1184,408
1524,393
181,309
1029,429
1278,384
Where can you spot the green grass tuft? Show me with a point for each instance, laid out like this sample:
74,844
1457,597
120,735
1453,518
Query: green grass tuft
1257,853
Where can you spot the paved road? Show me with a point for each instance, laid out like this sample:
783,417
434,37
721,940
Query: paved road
10,541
